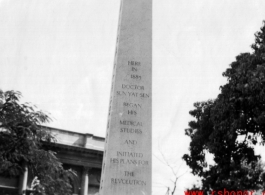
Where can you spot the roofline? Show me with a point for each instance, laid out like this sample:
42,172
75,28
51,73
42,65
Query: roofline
89,134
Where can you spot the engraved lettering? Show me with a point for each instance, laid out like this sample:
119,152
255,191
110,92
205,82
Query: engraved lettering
133,87
132,105
131,123
123,161
114,160
129,174
134,63
137,77
131,142
128,182
144,95
131,130
121,93
130,154
134,69
132,94
132,112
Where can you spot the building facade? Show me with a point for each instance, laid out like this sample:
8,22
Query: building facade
83,153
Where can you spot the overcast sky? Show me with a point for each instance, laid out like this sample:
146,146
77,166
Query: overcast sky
60,53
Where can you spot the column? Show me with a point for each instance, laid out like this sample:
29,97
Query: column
23,180
85,181
129,126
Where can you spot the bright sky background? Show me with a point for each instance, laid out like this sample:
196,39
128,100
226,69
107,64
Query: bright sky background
60,53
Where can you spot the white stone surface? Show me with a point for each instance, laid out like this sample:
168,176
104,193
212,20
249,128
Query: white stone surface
128,153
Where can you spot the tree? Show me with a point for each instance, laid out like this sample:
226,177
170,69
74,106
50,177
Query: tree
229,126
176,172
21,142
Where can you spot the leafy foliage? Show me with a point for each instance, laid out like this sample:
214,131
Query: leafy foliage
21,142
231,125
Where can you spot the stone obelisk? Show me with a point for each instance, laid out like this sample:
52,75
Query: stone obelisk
126,168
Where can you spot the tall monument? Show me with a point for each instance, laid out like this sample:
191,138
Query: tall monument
126,168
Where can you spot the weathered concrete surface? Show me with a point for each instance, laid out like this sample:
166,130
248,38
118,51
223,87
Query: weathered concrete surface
127,158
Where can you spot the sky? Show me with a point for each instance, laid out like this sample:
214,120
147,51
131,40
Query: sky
60,54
